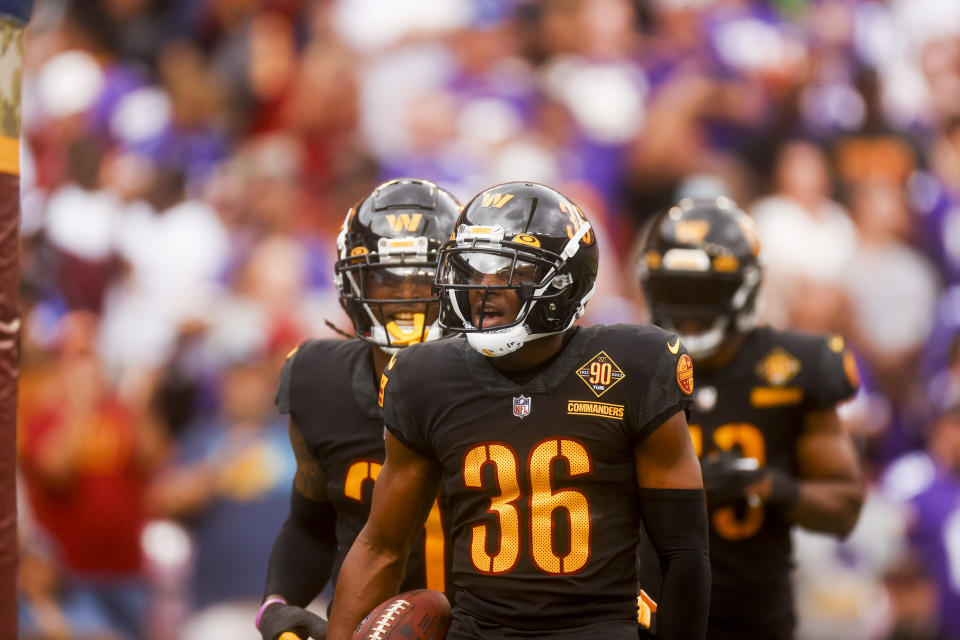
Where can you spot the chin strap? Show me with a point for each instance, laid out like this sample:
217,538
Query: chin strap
498,343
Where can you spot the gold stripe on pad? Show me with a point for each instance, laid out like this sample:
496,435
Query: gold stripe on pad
764,397
10,155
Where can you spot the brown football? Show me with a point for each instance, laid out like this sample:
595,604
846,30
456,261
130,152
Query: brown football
423,614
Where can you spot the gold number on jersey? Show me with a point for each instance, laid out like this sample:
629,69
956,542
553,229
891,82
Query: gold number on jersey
726,523
361,471
504,462
544,501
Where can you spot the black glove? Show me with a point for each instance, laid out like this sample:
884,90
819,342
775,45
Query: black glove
726,477
281,617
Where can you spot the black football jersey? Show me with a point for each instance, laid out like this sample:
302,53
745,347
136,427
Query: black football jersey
540,476
756,405
329,390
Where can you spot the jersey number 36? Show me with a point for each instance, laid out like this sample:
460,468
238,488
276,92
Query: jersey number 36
543,502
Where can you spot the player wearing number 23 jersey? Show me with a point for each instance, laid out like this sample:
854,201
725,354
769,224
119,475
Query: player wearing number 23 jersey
327,388
388,249
764,418
552,443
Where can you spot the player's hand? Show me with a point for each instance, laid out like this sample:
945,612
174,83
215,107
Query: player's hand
279,618
726,477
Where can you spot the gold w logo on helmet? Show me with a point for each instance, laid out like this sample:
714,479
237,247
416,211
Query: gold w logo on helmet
692,231
405,221
496,199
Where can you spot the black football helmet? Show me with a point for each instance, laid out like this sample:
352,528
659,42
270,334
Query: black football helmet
700,272
388,258
523,237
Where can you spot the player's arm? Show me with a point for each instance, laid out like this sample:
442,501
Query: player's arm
374,567
673,508
829,491
303,553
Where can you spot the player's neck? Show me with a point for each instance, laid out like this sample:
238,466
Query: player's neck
380,360
722,357
532,356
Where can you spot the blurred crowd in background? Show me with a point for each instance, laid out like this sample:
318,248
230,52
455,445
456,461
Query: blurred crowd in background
186,165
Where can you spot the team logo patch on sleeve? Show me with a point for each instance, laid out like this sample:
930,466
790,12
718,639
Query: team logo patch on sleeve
685,374
521,406
600,373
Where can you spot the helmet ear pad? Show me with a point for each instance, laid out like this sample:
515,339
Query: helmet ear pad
555,314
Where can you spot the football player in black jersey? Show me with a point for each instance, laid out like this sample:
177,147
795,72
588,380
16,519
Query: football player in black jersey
764,418
551,443
388,249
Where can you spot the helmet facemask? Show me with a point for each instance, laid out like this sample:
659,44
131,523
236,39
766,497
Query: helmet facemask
387,293
725,305
523,291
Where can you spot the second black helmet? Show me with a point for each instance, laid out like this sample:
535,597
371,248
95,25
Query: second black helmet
700,272
387,257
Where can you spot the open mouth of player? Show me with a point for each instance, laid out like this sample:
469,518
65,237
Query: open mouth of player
487,315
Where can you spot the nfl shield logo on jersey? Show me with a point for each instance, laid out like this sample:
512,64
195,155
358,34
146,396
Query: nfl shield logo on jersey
521,406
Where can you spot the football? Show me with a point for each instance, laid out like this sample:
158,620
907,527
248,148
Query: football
423,614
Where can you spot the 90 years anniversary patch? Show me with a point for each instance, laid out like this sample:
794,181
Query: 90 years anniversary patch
600,373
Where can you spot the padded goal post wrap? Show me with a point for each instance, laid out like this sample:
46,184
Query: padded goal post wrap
13,17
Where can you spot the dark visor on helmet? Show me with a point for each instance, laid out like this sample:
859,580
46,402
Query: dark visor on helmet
690,303
695,289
